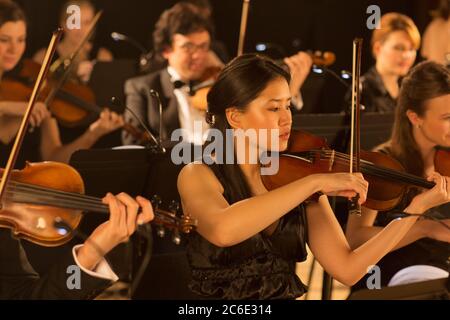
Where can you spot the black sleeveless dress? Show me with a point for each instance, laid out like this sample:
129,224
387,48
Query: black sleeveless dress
262,267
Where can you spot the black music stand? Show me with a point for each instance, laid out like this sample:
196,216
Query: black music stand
427,290
115,171
168,274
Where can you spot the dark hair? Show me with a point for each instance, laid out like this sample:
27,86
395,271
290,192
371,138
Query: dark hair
202,4
443,10
240,82
10,12
183,18
425,81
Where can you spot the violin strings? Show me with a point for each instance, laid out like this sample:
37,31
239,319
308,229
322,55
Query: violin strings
382,172
42,196
37,188
38,199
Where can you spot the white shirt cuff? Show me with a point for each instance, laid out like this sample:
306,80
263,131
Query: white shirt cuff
102,270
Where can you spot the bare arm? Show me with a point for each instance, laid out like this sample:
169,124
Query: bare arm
329,245
225,225
53,149
361,229
39,56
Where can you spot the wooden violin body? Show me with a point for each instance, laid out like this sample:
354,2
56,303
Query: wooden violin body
388,181
44,196
30,221
73,105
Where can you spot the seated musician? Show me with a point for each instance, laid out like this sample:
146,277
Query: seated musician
249,239
421,125
18,280
394,47
43,143
182,36
72,39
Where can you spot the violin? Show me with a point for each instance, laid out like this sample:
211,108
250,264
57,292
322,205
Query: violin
198,93
36,201
73,104
388,182
44,195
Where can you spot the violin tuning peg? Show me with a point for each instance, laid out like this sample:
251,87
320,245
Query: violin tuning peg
161,232
156,201
174,206
176,238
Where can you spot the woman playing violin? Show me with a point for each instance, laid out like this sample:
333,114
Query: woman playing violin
249,239
18,280
46,140
73,37
421,125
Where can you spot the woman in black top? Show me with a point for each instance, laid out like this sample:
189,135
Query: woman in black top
249,239
45,141
394,48
421,124
18,280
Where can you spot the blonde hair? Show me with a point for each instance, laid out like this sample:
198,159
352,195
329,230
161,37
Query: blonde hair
394,21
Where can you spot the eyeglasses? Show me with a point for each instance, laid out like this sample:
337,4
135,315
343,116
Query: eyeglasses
190,47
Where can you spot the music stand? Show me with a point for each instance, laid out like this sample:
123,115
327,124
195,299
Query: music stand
428,290
168,274
114,171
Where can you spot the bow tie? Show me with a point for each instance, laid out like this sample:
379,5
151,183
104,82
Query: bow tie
178,84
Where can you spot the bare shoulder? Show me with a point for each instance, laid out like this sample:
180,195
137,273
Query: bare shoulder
198,176
39,55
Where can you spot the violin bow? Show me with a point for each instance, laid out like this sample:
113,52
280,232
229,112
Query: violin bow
25,121
355,137
68,63
244,17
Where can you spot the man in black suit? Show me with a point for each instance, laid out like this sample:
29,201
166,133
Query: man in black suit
18,280
182,36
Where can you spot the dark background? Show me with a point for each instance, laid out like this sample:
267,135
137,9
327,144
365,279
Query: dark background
314,24
327,25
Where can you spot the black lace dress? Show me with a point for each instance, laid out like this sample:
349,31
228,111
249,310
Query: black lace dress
262,267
